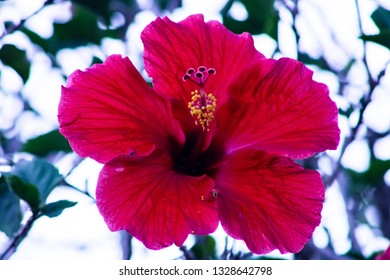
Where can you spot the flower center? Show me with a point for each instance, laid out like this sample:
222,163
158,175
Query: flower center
202,105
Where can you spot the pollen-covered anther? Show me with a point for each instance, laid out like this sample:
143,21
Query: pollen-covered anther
202,107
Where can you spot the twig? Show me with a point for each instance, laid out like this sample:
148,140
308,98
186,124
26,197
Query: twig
20,25
127,249
294,11
373,83
371,80
227,7
85,192
77,162
65,183
366,99
17,239
188,255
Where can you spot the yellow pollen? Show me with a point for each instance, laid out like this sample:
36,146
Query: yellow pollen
202,107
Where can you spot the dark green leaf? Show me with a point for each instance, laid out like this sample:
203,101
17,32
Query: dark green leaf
381,17
44,144
374,174
307,59
101,7
346,112
81,30
381,38
169,5
262,18
25,191
45,44
40,173
10,214
204,248
55,209
96,60
16,58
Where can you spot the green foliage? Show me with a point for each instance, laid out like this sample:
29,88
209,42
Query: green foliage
262,18
101,7
45,144
47,45
374,174
16,58
168,4
31,181
307,59
25,191
91,22
55,209
381,18
382,38
10,213
82,29
204,248
40,173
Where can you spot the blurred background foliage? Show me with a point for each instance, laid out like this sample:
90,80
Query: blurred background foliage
29,165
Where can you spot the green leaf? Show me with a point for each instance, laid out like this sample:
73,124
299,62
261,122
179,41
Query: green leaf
96,60
346,112
262,18
374,174
42,145
307,59
81,30
16,58
381,38
45,44
381,17
25,191
204,248
169,5
55,209
10,213
39,173
101,7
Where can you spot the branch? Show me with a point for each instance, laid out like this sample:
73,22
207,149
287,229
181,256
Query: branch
85,192
127,249
20,25
366,99
293,9
63,182
227,7
372,83
17,239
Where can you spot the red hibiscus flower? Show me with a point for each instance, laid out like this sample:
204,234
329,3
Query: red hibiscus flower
214,140
384,255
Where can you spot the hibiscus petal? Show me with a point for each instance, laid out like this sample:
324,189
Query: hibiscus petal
109,110
154,203
275,106
172,48
269,202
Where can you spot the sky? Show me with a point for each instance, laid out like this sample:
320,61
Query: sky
80,232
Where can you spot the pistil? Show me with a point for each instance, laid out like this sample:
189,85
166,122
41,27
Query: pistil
202,105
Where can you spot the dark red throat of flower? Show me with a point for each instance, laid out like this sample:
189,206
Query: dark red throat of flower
202,105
